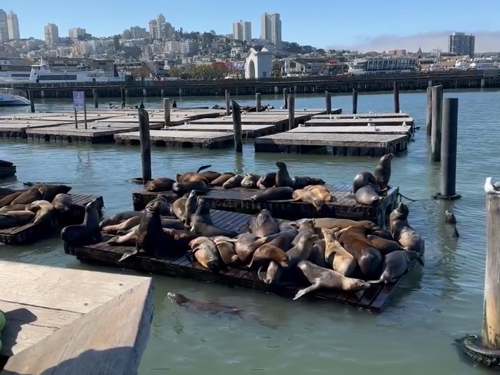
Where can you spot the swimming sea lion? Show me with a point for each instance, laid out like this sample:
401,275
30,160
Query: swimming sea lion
273,194
44,211
15,219
181,188
9,198
88,232
282,176
320,277
250,181
190,208
369,259
267,181
402,231
226,248
384,246
368,196
63,203
233,182
363,179
300,182
118,218
263,224
123,226
395,266
338,258
159,184
30,195
211,307
302,250
13,207
383,172
219,181
192,176
206,253
450,219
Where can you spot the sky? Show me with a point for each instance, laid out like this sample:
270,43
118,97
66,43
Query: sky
363,25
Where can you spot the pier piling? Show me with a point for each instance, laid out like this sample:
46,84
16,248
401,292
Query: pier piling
31,97
437,118
429,111
145,144
396,97
122,94
354,101
228,102
328,98
96,98
291,111
238,141
258,102
285,98
166,111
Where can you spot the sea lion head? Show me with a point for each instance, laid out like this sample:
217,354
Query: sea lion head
386,158
401,211
154,206
178,298
281,165
192,193
358,284
307,224
177,188
177,177
203,206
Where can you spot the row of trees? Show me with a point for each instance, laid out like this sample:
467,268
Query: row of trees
203,71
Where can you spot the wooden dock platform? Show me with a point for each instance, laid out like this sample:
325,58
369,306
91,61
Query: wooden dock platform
375,299
177,117
237,200
376,121
248,131
30,233
333,143
17,128
180,139
405,130
72,321
361,115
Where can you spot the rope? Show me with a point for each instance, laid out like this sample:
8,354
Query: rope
405,197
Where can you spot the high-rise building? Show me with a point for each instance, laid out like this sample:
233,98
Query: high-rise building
153,29
75,32
51,35
160,24
4,30
271,28
242,31
13,26
462,44
138,32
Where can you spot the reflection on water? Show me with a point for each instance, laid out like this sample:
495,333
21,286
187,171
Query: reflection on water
415,333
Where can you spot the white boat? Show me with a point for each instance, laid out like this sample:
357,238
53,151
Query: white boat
480,65
13,97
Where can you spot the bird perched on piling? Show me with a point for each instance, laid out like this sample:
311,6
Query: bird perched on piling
490,187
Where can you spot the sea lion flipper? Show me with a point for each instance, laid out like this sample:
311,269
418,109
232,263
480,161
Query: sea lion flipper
304,291
128,254
262,275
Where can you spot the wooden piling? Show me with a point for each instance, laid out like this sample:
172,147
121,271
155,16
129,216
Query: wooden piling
449,149
354,101
96,98
166,111
291,111
228,102
285,98
429,111
145,144
122,94
328,99
396,97
32,101
238,141
437,114
258,102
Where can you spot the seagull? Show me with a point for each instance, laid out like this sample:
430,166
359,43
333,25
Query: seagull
490,187
376,129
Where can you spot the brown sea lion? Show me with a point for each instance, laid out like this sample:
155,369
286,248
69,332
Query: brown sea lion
7,191
322,192
250,181
384,246
159,184
190,208
395,265
210,307
363,179
13,207
206,253
267,181
302,250
300,182
306,226
233,182
308,196
272,275
219,181
15,219
282,176
29,196
181,188
318,254
402,231
329,223
44,211
320,277
369,259
338,258
192,176
226,248
273,194
382,172
49,191
383,234
180,239
166,223
263,224
368,196
63,203
267,253
9,198
283,239
179,208
246,244
88,232
201,223
118,218
123,226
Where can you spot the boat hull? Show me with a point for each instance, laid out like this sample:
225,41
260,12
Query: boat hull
12,100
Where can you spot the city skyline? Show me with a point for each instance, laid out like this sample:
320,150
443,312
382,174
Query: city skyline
371,31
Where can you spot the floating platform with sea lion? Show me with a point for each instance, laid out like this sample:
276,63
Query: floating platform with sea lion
375,298
238,200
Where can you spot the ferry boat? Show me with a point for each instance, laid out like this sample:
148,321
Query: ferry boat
13,97
382,65
480,65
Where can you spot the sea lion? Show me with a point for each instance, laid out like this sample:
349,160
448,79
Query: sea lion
192,176
320,277
118,218
9,198
63,203
29,196
402,231
88,232
13,207
123,226
202,212
322,192
338,258
166,223
190,208
6,191
283,240
181,188
368,196
179,239
363,179
219,181
159,184
318,254
44,211
179,208
49,191
211,307
263,224
246,244
384,246
382,233
308,196
204,227
300,182
450,219
226,248
15,219
164,206
329,223
306,226
206,253
382,172
250,181
267,181
233,182
369,259
395,265
273,194
302,250
272,275
282,176
267,253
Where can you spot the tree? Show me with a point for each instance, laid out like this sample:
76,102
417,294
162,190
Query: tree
142,72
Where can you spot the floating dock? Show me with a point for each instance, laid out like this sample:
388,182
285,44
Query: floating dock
333,143
376,121
30,233
237,200
248,131
374,299
177,117
72,321
404,130
179,139
17,128
361,115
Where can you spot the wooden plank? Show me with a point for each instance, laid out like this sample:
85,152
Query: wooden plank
336,140
353,129
179,138
378,121
362,115
248,131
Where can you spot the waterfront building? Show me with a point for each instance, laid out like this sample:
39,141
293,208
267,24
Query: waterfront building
317,66
4,29
51,35
259,63
75,32
271,28
380,65
242,30
462,44
13,26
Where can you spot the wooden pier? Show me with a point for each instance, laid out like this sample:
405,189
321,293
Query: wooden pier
374,299
361,115
248,131
179,139
30,233
237,200
375,121
177,117
17,128
333,143
71,321
404,130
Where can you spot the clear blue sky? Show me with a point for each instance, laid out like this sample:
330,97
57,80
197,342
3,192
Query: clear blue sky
317,22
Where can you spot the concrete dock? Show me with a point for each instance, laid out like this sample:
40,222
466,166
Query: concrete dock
179,139
82,321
